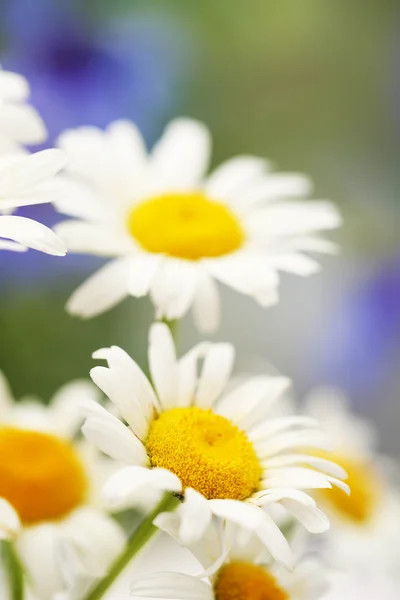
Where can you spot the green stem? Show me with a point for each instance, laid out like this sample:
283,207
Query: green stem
135,543
13,570
173,327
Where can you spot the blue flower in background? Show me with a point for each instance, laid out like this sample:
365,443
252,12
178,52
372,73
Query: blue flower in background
362,341
85,72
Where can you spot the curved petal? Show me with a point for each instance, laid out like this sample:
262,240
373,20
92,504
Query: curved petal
102,291
115,439
163,364
128,486
31,234
173,289
171,586
217,369
256,519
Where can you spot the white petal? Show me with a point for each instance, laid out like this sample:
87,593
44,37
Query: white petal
171,586
37,550
122,386
233,175
28,171
6,397
13,87
274,186
289,218
102,291
173,289
300,478
93,238
98,538
143,268
31,234
206,305
311,518
260,522
64,406
180,159
9,521
163,364
250,274
115,439
292,440
251,402
320,464
125,487
22,123
13,246
217,369
297,264
195,517
140,387
129,155
187,374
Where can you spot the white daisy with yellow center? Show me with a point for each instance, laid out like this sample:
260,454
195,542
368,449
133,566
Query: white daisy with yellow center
49,489
224,453
26,180
365,525
20,124
173,231
244,571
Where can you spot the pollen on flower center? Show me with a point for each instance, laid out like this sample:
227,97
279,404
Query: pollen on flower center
364,487
206,451
40,475
185,225
246,581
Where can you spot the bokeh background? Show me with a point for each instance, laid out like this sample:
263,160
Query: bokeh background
313,86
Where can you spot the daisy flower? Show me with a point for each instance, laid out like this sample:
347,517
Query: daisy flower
27,180
224,454
172,231
365,525
19,122
49,489
246,572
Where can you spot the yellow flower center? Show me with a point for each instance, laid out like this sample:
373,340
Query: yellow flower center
364,486
246,581
40,475
206,451
185,225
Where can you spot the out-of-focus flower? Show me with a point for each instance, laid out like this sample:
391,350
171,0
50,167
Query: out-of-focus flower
361,341
52,484
226,455
173,231
368,586
26,181
246,572
19,122
365,526
83,70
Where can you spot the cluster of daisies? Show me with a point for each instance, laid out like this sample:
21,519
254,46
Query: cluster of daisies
222,469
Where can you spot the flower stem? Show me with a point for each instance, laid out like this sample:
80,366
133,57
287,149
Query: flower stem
13,570
135,543
172,325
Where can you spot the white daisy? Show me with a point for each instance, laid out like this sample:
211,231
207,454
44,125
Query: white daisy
173,232
244,573
365,525
226,455
49,487
27,180
20,124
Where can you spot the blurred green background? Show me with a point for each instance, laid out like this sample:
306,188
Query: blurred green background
314,86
